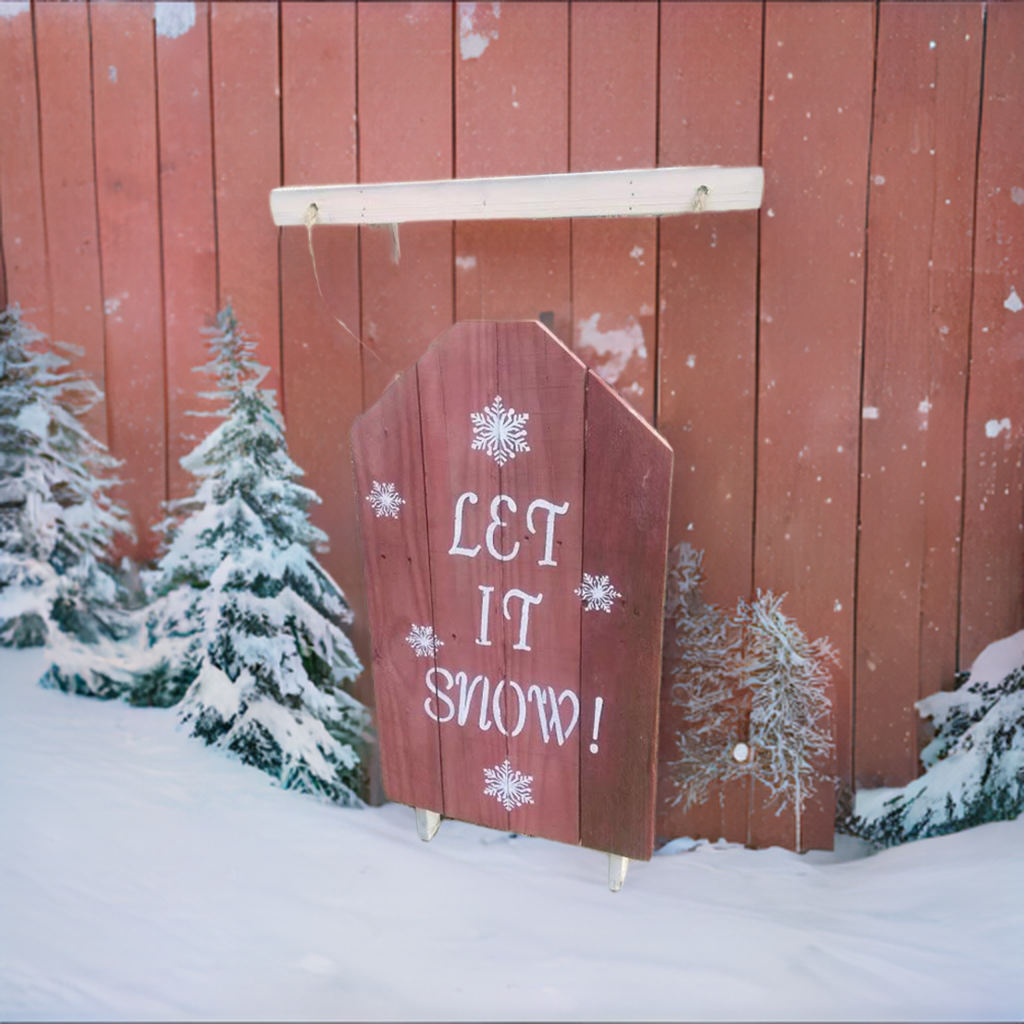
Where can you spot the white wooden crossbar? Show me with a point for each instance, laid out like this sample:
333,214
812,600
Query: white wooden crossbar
652,192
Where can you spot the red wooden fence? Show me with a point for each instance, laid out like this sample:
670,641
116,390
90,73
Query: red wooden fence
840,374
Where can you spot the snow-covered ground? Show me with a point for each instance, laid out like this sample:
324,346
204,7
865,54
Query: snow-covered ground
144,876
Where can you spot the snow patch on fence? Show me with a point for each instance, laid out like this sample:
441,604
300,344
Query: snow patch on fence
617,346
12,10
173,19
474,38
1013,302
995,427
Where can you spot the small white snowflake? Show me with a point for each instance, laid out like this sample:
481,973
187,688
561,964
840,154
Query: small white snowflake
385,500
424,641
499,431
510,788
596,593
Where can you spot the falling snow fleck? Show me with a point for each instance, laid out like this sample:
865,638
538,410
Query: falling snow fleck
385,500
510,788
596,593
499,432
424,641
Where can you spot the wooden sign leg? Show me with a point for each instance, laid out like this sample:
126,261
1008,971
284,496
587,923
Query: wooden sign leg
427,824
617,867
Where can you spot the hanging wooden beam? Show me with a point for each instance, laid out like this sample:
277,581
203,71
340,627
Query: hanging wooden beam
655,192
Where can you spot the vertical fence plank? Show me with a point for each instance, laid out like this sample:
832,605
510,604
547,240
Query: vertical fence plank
511,113
915,370
321,360
386,449
992,582
23,239
127,190
451,379
247,158
189,232
69,188
405,134
819,66
707,335
613,126
533,369
628,477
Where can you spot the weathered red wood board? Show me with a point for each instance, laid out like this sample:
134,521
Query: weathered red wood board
707,338
247,158
818,75
514,529
613,125
3,268
405,134
511,116
921,213
188,220
21,185
69,187
992,583
127,194
321,361
387,446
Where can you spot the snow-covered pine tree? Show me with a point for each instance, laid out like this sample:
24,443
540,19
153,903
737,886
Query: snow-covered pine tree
705,666
975,763
244,618
788,676
57,520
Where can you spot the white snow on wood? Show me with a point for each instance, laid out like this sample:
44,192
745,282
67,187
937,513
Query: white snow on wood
647,192
870,412
614,347
145,876
1013,302
995,427
173,19
473,37
12,9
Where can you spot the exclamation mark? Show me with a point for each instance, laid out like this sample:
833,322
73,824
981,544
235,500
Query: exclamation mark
598,705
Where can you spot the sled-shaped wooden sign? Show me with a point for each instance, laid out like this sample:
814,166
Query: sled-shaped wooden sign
514,516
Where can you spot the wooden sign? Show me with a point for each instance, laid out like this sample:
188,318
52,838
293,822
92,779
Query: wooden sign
514,518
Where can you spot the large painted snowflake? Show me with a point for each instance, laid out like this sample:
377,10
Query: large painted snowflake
499,431
510,788
385,500
424,641
596,593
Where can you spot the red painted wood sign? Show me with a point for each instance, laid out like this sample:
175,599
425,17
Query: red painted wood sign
514,517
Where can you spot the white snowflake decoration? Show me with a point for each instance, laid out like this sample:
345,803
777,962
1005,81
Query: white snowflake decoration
499,431
424,641
596,593
385,500
510,788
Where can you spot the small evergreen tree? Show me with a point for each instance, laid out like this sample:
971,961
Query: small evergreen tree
975,763
57,520
247,629
752,691
788,676
706,673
